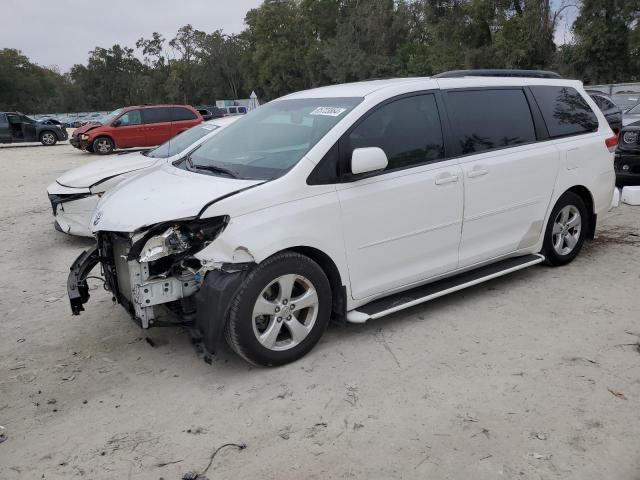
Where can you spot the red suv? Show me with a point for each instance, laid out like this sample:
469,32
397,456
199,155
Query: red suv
141,126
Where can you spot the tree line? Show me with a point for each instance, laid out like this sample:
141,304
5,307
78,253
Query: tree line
290,45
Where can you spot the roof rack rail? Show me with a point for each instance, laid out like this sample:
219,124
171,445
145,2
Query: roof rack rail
498,73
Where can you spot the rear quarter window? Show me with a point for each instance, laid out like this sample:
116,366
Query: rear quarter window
490,119
180,113
564,110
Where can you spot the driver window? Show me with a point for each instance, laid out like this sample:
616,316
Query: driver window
132,117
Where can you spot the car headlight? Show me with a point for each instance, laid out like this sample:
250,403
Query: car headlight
84,136
168,239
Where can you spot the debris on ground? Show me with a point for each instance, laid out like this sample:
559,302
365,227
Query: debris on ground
620,395
3,436
193,475
150,342
540,435
538,456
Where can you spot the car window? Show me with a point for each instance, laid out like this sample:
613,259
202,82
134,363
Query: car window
156,115
598,101
182,141
132,117
261,145
490,119
14,119
564,110
26,119
3,118
408,130
607,104
181,113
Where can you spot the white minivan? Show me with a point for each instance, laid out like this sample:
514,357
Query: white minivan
353,201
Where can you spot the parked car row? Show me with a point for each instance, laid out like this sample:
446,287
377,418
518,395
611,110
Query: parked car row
352,201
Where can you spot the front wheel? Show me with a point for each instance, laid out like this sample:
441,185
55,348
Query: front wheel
103,145
48,139
566,230
281,310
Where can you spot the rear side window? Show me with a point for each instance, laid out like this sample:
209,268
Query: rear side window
180,113
3,118
408,130
490,119
564,110
156,115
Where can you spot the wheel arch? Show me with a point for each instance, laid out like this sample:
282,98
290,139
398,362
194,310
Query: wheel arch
326,263
585,194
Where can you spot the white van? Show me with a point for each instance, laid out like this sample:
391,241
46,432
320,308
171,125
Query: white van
354,201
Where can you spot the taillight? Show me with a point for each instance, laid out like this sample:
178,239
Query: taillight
611,143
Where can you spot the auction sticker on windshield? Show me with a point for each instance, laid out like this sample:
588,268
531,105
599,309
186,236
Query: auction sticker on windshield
328,111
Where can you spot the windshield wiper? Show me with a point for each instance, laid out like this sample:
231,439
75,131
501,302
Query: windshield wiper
213,168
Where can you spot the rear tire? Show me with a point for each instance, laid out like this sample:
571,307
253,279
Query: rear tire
566,230
281,310
103,146
48,138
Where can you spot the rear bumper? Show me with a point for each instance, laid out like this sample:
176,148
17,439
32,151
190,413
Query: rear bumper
627,167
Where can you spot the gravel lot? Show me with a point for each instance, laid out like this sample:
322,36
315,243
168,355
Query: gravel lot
530,376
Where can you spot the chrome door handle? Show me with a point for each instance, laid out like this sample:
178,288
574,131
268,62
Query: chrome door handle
477,172
445,180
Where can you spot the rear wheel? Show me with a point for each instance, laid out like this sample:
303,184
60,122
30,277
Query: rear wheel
48,138
566,230
281,310
103,145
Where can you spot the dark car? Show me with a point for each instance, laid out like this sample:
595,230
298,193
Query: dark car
214,111
17,127
611,111
627,157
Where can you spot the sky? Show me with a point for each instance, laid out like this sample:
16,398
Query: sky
61,32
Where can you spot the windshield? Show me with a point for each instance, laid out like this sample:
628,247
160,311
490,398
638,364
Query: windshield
270,140
635,109
625,101
110,117
182,141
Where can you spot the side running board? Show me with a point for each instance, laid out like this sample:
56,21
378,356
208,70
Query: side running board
424,293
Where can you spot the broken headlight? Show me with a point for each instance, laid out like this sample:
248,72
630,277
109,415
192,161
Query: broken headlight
177,238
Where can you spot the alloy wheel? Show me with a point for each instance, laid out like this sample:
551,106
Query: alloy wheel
285,312
567,227
103,146
48,138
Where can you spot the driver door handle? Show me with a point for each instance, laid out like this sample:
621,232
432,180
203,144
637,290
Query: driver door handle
443,180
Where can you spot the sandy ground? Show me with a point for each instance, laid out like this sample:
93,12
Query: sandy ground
531,376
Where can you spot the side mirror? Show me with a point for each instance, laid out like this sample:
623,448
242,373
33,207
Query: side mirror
116,123
370,159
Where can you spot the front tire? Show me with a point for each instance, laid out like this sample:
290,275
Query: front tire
566,231
103,145
281,310
48,138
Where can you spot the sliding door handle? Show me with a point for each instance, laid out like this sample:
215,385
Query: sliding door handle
477,172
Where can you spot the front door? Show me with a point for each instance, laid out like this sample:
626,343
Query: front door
401,225
508,175
130,131
28,129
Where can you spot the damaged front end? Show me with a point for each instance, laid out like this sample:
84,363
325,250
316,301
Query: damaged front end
157,267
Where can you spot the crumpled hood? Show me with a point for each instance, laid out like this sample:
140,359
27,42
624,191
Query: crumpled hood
159,195
87,175
85,128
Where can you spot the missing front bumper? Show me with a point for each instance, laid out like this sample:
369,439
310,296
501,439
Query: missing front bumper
77,287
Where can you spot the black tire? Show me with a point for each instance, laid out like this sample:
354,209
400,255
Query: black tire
239,328
103,146
569,200
48,138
